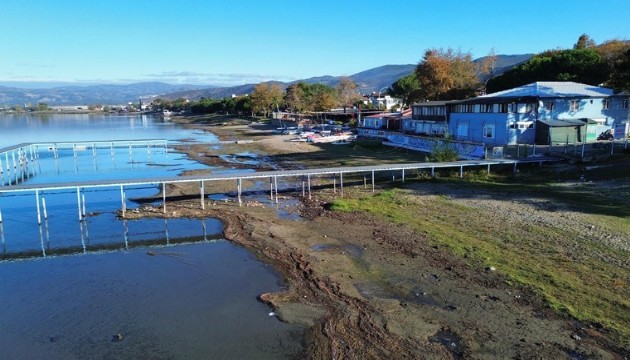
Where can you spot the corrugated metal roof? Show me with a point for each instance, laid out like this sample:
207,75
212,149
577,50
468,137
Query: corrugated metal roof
553,89
432,103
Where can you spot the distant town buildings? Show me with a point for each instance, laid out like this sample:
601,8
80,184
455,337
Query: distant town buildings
381,101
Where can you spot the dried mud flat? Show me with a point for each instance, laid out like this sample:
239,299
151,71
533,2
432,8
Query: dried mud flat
369,290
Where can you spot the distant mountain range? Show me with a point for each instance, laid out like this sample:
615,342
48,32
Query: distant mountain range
85,95
368,81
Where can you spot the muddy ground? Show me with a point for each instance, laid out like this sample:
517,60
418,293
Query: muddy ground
367,289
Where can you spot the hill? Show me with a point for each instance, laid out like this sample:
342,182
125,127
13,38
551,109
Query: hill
84,95
368,81
506,62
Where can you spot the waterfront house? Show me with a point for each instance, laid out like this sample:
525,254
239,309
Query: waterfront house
564,111
385,121
428,118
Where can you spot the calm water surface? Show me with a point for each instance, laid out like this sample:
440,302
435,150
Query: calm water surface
172,288
25,128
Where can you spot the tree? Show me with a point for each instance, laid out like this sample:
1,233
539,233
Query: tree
322,97
265,97
407,89
228,105
584,65
261,99
487,67
614,53
347,92
243,105
276,94
584,42
446,75
294,97
620,79
179,104
42,107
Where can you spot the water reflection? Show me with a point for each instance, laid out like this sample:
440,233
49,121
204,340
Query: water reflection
181,301
146,232
29,128
93,163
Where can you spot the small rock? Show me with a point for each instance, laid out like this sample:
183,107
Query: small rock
576,337
272,314
118,337
491,268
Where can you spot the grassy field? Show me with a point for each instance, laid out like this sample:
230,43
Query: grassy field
575,274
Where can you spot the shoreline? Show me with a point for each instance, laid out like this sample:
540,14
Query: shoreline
368,289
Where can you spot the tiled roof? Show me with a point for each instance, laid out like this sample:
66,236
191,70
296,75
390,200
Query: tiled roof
553,89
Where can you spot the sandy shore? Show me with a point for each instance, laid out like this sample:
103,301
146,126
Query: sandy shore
368,289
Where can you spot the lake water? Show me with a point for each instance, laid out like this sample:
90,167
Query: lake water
172,289
25,128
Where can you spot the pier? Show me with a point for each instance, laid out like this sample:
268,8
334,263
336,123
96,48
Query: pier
21,163
307,175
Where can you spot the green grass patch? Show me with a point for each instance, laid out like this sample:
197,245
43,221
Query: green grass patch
574,275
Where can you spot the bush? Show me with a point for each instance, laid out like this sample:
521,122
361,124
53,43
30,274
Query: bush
444,151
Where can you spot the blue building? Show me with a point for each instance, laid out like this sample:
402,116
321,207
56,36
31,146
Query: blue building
512,116
618,108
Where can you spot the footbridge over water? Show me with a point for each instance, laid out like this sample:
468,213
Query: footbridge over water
19,162
397,171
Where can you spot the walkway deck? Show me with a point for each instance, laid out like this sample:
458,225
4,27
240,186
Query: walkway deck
279,174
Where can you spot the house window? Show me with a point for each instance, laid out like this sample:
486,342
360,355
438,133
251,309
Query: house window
488,131
605,104
574,105
487,108
549,105
504,108
513,126
625,103
525,108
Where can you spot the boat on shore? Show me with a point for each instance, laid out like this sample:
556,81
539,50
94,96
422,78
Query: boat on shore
348,137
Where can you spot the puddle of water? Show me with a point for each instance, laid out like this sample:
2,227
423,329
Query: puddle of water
450,341
415,296
418,296
352,250
574,355
246,158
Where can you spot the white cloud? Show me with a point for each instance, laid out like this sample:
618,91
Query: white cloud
219,79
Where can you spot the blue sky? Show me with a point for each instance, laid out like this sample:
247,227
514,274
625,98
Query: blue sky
228,43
